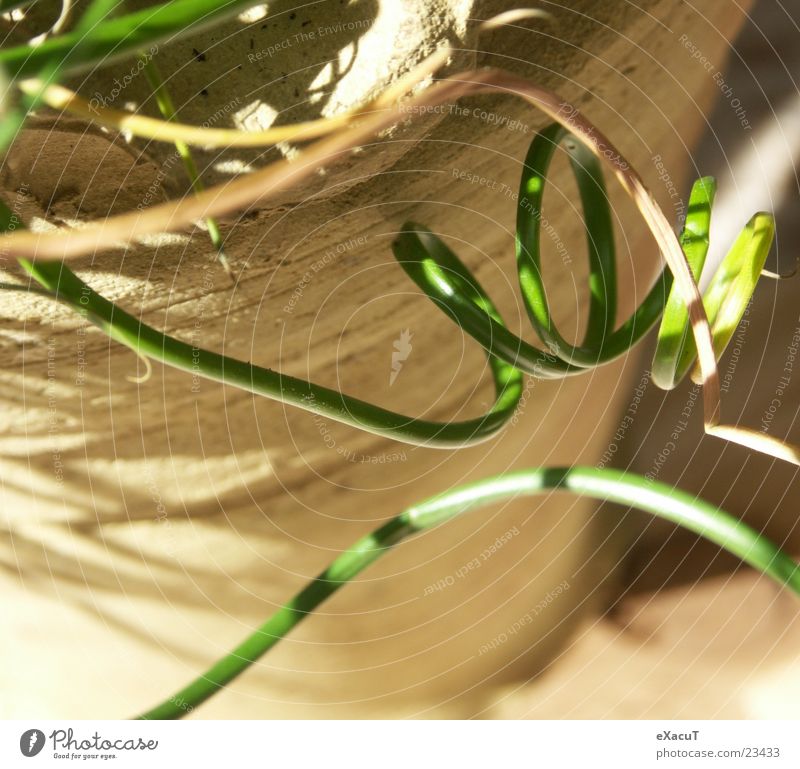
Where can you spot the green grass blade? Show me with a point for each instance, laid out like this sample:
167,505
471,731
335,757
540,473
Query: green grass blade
121,36
52,68
674,338
735,280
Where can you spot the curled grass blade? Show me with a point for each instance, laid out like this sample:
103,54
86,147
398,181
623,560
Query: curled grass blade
259,186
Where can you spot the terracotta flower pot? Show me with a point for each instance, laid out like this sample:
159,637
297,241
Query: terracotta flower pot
150,526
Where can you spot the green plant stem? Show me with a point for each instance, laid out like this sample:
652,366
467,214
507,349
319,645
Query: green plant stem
68,288
168,112
606,485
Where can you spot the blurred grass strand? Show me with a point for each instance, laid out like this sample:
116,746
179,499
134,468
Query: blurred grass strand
167,109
